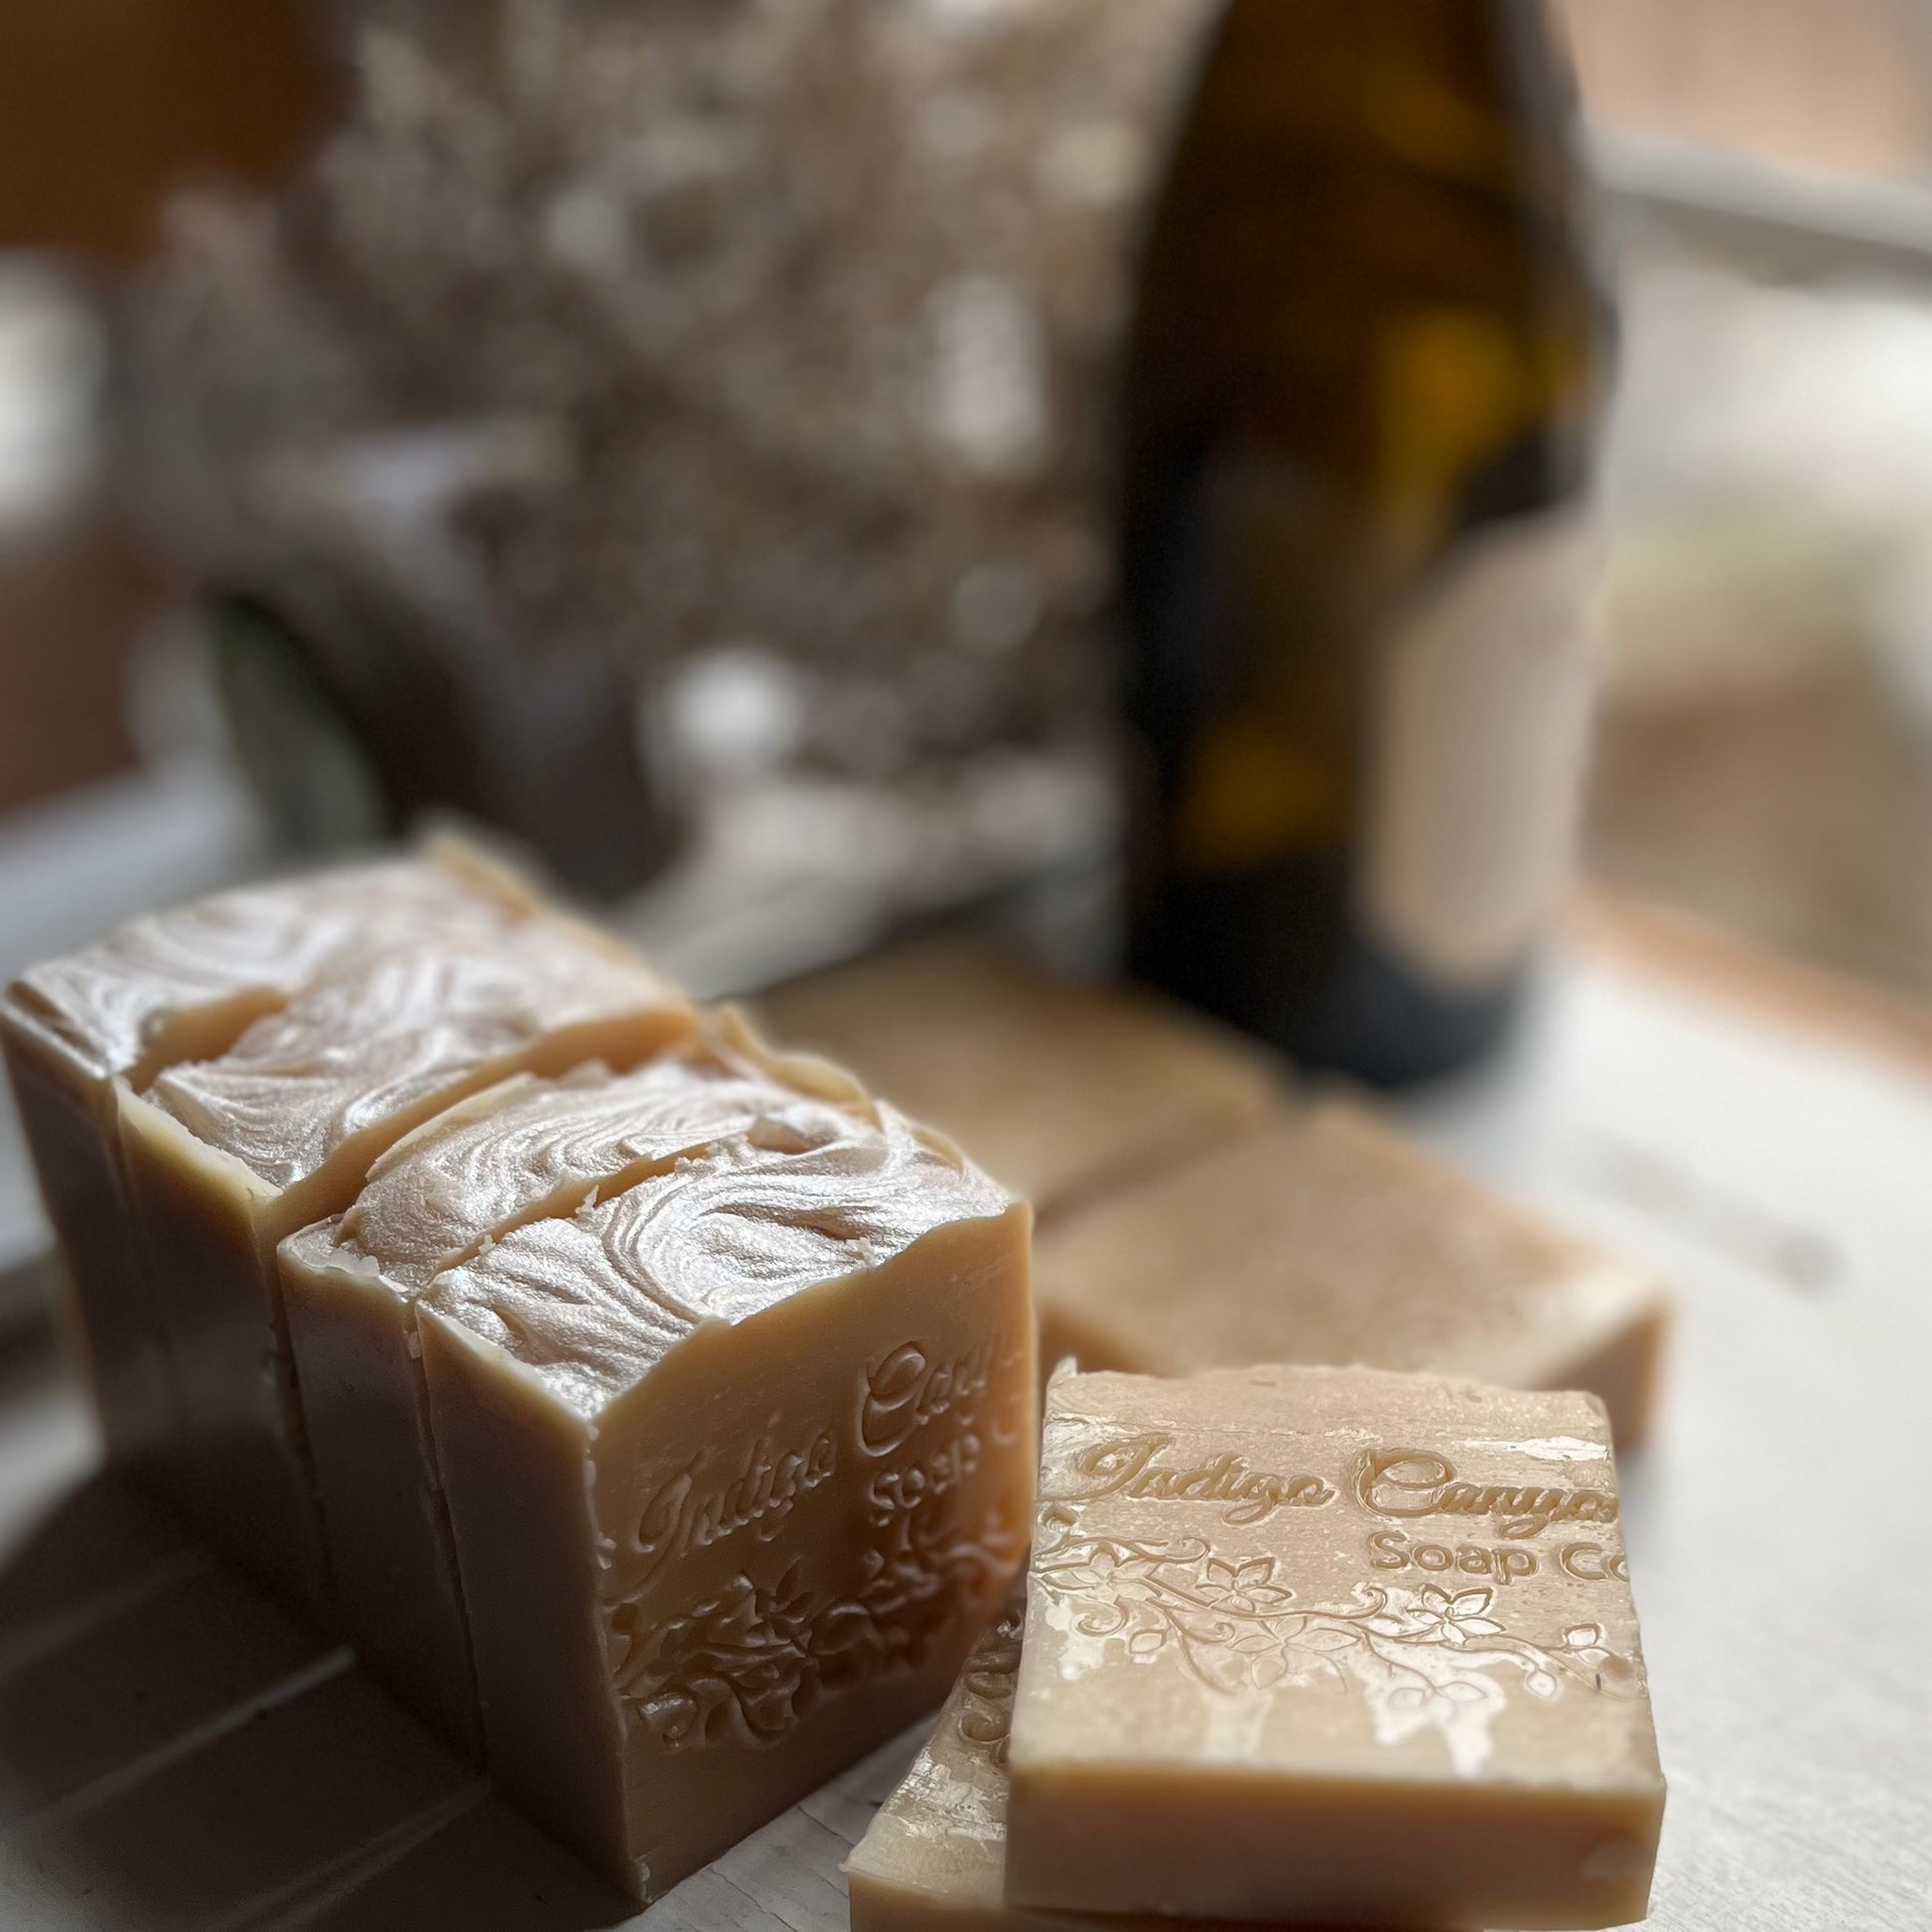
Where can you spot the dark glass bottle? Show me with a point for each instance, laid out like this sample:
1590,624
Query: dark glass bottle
1357,555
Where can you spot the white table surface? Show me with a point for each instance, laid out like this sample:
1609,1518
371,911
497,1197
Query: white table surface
175,1753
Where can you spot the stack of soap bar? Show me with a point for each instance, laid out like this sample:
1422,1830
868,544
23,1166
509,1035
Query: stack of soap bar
656,1413
524,1151
1062,1089
179,985
1330,1644
1327,1237
737,1462
227,1156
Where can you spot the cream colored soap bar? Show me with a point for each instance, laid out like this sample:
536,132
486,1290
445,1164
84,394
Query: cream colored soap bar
1061,1088
175,986
227,1156
738,1463
524,1151
935,1859
1331,1643
1329,1237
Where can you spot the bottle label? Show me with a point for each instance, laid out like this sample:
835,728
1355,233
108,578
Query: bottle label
1480,732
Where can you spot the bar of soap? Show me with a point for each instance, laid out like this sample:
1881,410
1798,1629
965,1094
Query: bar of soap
521,1152
1327,1237
1331,1644
934,1858
181,984
1061,1088
227,1156
739,1461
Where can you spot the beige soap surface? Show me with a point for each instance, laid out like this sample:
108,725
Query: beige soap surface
519,1151
935,1855
181,985
531,1147
1340,1643
392,1036
227,1157
150,992
793,1379
1329,1238
933,1859
1059,1087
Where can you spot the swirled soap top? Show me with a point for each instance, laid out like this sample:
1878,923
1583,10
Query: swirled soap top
168,985
531,1149
812,1193
410,1028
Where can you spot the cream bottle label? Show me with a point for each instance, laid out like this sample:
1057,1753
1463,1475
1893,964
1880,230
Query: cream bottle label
1481,735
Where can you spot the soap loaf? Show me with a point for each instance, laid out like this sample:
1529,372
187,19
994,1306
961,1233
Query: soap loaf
183,985
738,1463
523,1151
227,1156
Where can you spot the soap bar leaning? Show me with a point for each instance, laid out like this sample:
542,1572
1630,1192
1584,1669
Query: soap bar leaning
1063,1089
526,1149
227,1156
1329,1237
181,984
1331,1643
738,1461
934,1858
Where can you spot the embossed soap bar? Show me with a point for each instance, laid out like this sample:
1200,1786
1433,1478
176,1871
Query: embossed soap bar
181,984
737,1462
227,1156
935,1859
1329,1237
524,1151
1061,1088
1333,1644
935,1855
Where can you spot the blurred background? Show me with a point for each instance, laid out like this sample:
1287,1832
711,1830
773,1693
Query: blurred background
586,419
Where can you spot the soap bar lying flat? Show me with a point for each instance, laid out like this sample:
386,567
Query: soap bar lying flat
738,1461
227,1156
1329,1237
523,1151
934,1858
1061,1088
177,985
1331,1643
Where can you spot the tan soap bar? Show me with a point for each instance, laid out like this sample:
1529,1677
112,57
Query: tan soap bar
1061,1088
523,1151
1331,1644
934,1858
181,984
1329,1237
227,1156
738,1462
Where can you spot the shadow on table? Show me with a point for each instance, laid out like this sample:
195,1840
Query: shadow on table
176,1750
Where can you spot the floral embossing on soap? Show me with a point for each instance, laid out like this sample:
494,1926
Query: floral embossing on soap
753,1659
1422,1659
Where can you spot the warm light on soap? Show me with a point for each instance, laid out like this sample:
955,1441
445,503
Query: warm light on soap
1331,1644
934,1858
1328,1236
737,1462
